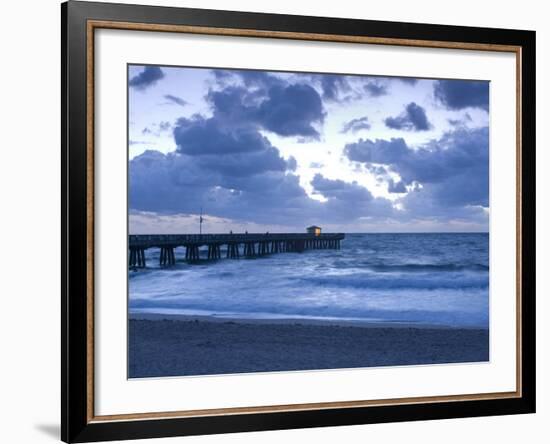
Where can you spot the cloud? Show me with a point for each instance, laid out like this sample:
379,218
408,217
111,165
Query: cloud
201,136
378,151
412,119
316,165
460,122
221,162
354,125
227,161
164,126
344,88
260,79
408,80
178,183
375,89
175,99
288,110
222,76
460,94
444,180
292,110
396,187
347,201
450,172
246,164
230,142
157,128
377,170
333,86
339,189
138,142
235,151
246,77
146,78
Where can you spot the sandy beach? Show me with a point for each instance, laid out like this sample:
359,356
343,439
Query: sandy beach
161,345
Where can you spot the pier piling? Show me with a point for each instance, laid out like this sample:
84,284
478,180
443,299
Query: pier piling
254,245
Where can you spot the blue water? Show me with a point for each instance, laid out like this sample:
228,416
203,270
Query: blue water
430,279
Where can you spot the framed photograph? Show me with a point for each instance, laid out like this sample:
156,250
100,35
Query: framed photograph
275,221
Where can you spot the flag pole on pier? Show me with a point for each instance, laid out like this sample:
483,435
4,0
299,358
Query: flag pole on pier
200,223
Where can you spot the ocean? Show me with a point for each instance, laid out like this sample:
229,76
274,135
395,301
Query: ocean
424,279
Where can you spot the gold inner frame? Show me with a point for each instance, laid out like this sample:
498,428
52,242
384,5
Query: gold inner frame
92,25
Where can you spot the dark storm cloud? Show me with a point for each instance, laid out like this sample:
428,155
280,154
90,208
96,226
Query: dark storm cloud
167,183
228,150
375,89
412,119
292,110
339,189
146,78
225,162
448,177
175,99
289,110
228,147
237,186
200,136
232,105
354,125
179,183
453,171
459,94
245,164
333,87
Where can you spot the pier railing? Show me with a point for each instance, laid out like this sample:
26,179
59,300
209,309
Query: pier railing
253,245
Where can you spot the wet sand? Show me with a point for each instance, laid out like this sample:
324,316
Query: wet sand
183,346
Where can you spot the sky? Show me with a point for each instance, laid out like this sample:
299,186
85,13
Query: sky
269,151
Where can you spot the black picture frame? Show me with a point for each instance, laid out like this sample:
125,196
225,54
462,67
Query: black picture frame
76,423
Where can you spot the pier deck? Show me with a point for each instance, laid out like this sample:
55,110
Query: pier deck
246,245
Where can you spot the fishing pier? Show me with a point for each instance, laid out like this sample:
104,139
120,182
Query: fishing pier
230,246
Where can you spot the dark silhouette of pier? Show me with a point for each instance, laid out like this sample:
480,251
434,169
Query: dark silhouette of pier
235,245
